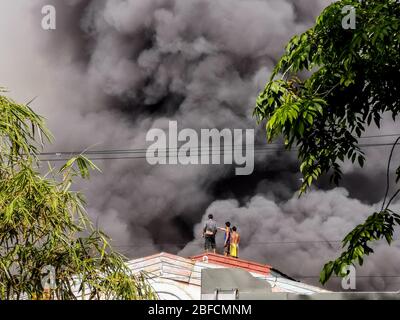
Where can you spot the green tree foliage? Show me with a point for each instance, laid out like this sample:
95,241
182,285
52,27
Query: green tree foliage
43,223
328,87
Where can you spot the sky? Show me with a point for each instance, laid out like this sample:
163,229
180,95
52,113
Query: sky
114,69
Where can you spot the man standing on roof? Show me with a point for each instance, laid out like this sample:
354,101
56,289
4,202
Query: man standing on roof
209,231
235,239
227,238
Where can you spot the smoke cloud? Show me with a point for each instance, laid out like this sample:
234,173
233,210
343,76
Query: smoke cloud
302,234
112,70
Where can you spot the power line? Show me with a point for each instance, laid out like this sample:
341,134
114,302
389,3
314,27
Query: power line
200,242
171,265
381,136
265,146
167,155
362,276
149,157
293,276
144,150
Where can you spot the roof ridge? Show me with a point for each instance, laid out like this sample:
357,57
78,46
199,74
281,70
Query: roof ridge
230,259
233,263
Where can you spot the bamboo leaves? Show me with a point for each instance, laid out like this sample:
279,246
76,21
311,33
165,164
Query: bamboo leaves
43,222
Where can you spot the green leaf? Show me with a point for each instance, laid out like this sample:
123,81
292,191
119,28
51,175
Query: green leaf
44,223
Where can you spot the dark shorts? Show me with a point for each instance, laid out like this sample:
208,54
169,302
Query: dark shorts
209,242
227,248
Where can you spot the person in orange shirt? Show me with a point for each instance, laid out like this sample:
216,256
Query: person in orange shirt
235,239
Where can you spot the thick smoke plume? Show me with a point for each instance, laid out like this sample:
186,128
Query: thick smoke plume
302,234
113,69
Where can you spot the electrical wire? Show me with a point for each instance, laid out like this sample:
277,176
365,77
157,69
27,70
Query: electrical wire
266,146
175,153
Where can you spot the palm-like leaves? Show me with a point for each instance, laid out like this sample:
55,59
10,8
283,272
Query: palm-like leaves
43,222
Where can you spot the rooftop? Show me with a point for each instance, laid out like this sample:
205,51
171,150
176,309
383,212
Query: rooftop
230,262
187,271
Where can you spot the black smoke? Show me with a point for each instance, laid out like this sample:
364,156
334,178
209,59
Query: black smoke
114,69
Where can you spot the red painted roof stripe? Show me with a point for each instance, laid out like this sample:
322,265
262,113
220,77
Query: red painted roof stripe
233,262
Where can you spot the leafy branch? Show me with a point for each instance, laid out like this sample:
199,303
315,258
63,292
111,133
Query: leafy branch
335,84
379,225
43,222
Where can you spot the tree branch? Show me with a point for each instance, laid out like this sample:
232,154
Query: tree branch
388,174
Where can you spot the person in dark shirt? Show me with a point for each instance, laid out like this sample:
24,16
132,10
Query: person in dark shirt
209,232
227,238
